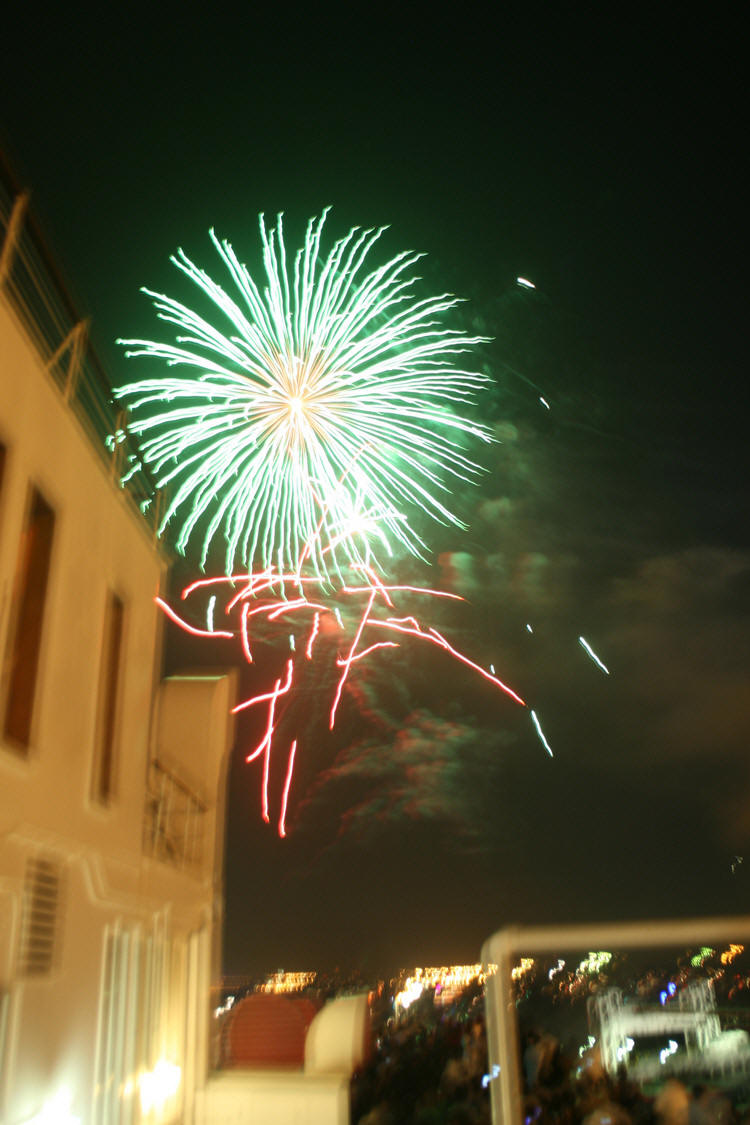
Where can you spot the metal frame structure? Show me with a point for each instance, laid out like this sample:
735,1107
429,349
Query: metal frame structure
502,949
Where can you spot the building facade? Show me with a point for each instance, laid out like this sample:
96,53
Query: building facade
111,779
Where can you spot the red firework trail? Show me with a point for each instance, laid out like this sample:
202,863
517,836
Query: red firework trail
258,599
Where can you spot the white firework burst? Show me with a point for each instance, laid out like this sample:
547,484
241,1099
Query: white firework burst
316,405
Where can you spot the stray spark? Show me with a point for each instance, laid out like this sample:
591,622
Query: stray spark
593,655
544,402
540,732
184,625
210,613
287,784
313,635
529,629
525,283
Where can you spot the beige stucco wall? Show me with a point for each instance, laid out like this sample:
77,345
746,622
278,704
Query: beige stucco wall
99,544
49,1024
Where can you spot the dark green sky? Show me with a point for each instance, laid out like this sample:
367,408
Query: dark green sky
603,163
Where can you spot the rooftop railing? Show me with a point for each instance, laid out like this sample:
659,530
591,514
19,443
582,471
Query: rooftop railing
32,285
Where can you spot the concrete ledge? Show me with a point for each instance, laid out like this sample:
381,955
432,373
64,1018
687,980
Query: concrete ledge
273,1097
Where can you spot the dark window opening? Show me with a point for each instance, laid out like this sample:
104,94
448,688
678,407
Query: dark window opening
104,778
25,641
2,471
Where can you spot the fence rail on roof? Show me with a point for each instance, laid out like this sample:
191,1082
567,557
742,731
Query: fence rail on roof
32,285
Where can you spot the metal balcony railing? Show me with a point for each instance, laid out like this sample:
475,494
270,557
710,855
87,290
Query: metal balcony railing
174,823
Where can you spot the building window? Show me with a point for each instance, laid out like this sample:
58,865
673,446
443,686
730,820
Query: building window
30,591
109,683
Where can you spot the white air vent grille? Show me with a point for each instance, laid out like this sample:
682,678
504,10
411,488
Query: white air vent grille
41,907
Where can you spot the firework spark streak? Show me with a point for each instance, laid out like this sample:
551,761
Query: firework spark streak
309,614
587,648
325,380
540,732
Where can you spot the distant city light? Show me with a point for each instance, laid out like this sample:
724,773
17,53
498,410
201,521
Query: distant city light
729,954
624,1050
411,991
667,1051
594,963
225,1007
287,982
447,981
487,1078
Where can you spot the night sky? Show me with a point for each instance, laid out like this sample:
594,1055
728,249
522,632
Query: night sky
603,163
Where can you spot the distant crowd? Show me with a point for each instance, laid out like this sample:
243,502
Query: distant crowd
431,1068
428,1068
